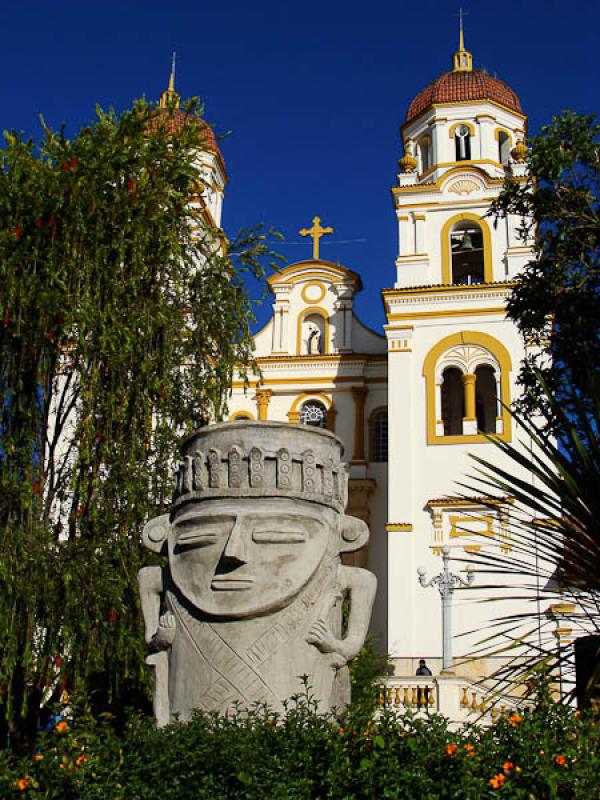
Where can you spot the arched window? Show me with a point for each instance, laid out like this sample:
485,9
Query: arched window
313,413
467,253
424,150
503,148
485,398
453,404
379,436
467,384
462,143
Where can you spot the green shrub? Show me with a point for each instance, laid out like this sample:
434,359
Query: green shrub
551,752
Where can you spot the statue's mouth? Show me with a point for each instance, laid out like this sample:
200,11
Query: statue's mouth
225,584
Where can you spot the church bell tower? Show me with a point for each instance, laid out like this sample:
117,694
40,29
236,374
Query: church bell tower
453,356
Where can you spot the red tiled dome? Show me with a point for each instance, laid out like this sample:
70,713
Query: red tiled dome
456,87
175,119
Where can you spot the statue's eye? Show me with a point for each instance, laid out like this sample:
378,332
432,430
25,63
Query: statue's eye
278,537
196,537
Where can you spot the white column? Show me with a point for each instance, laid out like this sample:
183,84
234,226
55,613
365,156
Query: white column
405,234
499,419
439,422
400,543
419,234
488,146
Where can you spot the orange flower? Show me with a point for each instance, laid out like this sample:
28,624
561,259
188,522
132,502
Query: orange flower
470,749
515,719
560,760
22,784
451,749
80,759
38,757
507,766
62,726
341,731
498,781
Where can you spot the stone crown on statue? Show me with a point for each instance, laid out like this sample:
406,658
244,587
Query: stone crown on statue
244,464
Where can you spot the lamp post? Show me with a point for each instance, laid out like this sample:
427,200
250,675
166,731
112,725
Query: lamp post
446,582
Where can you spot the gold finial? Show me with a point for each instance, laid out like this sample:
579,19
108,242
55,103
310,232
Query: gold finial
170,98
408,163
316,232
462,60
519,152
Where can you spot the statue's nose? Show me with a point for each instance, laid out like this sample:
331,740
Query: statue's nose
236,548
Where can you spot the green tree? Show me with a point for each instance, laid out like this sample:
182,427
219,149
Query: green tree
556,297
122,316
553,521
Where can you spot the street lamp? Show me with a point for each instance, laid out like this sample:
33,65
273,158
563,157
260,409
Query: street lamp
446,582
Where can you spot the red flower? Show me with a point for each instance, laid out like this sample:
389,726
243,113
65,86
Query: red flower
51,336
38,223
18,230
51,222
451,749
74,163
66,166
560,760
58,662
112,615
36,487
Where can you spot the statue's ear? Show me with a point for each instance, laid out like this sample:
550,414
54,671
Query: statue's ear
155,533
355,534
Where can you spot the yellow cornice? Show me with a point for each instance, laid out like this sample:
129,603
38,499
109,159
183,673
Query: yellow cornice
333,381
486,102
471,167
464,312
323,360
461,165
399,526
320,269
446,289
475,502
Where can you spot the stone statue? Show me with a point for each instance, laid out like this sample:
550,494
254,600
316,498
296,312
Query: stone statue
314,341
251,596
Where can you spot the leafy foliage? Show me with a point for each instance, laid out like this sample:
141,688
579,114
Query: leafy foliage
122,316
555,300
546,753
554,527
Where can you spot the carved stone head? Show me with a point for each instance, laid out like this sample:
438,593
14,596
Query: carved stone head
257,510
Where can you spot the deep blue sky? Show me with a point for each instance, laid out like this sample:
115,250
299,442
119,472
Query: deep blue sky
313,95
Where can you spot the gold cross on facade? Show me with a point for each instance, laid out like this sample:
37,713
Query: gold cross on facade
316,232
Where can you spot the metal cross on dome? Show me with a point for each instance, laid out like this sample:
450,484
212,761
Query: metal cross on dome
316,232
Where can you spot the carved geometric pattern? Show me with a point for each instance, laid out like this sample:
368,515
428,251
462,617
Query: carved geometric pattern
235,468
308,470
214,468
283,468
257,467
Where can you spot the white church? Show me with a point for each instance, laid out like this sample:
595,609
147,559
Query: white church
413,400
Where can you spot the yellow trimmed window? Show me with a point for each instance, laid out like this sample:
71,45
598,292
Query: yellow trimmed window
467,378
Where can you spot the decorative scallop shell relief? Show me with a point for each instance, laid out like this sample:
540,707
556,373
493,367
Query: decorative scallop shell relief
463,186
